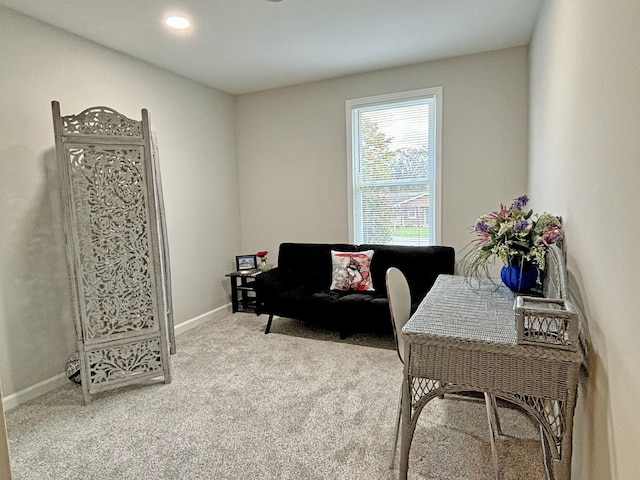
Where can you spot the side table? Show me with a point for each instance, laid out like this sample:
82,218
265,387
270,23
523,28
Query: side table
243,283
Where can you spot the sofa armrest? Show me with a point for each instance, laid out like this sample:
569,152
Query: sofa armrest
275,278
268,285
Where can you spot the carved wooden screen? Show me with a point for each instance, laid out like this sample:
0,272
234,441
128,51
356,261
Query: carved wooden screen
116,248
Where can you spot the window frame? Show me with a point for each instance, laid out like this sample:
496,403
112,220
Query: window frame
351,104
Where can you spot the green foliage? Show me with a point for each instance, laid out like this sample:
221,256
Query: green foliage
410,163
377,214
374,152
422,232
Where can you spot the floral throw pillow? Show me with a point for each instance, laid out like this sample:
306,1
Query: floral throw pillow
351,271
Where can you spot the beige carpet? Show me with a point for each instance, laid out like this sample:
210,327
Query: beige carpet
295,404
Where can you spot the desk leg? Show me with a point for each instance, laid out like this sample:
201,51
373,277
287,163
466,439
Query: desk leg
557,441
561,470
562,466
245,294
405,446
553,469
494,429
406,428
234,294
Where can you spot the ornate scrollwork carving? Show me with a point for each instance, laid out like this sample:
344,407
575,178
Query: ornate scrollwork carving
123,361
101,121
113,239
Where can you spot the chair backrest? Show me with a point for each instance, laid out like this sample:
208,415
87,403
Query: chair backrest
399,297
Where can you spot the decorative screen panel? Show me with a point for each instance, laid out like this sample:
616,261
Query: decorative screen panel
123,361
112,235
116,250
101,121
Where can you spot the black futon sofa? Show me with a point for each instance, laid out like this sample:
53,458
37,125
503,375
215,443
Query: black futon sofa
299,286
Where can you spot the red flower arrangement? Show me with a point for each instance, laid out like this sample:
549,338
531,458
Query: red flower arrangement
262,253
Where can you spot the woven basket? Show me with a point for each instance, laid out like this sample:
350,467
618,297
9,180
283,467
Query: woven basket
548,322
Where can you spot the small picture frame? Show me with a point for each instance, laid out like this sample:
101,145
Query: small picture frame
246,262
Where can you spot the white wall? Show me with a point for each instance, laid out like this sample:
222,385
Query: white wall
585,165
195,127
292,150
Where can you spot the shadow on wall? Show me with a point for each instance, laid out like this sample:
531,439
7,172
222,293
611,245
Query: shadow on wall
592,422
36,324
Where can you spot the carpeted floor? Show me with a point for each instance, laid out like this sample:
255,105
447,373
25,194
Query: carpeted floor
296,404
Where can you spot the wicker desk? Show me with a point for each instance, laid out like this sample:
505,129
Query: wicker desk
463,338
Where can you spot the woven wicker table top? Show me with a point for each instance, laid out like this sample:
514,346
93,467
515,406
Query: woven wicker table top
466,308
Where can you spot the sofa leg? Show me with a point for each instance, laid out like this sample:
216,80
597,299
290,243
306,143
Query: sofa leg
266,330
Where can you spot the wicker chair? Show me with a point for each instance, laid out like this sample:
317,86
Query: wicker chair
399,297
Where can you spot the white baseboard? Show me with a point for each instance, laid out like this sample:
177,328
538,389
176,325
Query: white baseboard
34,391
40,388
200,319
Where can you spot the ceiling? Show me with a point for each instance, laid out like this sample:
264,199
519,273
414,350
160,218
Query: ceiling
242,46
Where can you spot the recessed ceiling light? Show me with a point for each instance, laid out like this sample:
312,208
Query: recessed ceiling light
178,22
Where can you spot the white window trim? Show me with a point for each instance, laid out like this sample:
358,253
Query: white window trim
436,92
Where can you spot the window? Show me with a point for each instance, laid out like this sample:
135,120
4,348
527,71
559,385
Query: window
394,144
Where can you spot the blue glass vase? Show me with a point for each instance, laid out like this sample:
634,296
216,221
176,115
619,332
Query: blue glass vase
520,278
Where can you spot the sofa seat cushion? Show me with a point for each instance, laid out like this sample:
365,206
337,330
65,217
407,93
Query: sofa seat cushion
326,296
305,302
356,298
340,297
364,308
293,300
